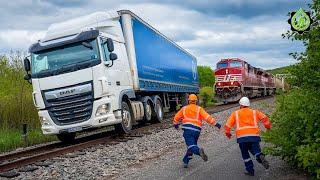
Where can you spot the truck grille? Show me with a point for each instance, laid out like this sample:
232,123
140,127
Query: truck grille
70,109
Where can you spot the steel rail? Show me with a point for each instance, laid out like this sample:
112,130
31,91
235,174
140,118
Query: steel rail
32,155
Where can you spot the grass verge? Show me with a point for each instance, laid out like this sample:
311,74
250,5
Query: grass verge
11,139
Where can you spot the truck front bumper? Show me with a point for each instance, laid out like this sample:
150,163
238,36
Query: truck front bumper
111,118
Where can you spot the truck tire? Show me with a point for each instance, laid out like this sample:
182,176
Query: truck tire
158,111
66,137
147,111
126,125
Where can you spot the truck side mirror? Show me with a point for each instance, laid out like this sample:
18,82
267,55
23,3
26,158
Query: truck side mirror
27,77
113,56
27,66
110,45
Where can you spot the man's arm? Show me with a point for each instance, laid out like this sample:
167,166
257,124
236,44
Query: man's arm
229,125
178,117
208,118
264,119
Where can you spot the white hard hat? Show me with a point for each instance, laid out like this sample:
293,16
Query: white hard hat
244,101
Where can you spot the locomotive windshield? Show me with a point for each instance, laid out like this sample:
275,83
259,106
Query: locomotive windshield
231,64
235,64
222,65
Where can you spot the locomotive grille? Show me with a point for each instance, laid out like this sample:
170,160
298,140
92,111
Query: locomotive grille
70,105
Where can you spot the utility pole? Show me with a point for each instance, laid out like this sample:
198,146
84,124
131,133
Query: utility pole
282,78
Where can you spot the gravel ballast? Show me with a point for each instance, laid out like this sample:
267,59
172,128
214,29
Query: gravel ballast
128,160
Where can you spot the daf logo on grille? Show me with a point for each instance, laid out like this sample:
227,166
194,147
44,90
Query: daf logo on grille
67,92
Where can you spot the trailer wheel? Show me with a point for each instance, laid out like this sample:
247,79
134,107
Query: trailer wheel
147,111
66,138
158,111
126,124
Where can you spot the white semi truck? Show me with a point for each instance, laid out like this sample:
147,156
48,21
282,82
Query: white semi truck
106,68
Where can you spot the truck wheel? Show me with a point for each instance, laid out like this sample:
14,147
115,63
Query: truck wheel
66,137
147,111
158,111
126,125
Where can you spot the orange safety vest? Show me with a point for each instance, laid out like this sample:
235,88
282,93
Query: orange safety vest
246,121
194,115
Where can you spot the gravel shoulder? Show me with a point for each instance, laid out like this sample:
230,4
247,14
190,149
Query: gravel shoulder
159,156
224,162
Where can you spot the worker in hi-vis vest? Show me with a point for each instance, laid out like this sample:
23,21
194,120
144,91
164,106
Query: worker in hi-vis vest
248,133
192,117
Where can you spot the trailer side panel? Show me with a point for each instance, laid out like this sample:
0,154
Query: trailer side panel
162,65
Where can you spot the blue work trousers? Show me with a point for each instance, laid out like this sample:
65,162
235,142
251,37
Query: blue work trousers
191,138
254,149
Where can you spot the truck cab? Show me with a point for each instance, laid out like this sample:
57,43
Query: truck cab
74,77
86,74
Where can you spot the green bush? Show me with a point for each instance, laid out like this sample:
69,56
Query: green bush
206,96
206,76
296,125
16,104
295,131
279,91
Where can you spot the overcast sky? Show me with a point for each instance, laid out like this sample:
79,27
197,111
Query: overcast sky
209,29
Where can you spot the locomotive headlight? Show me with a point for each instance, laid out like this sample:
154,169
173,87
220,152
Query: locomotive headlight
231,82
102,110
219,84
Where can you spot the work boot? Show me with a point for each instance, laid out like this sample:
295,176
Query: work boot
186,159
249,173
203,154
185,165
264,162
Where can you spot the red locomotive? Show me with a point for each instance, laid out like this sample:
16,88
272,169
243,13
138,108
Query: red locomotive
236,78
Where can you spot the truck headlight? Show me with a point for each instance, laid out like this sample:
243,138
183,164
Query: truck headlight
44,121
103,110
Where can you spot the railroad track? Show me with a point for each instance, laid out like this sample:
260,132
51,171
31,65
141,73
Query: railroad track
30,156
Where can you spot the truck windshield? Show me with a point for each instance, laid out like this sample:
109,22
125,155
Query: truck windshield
222,65
235,64
70,55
